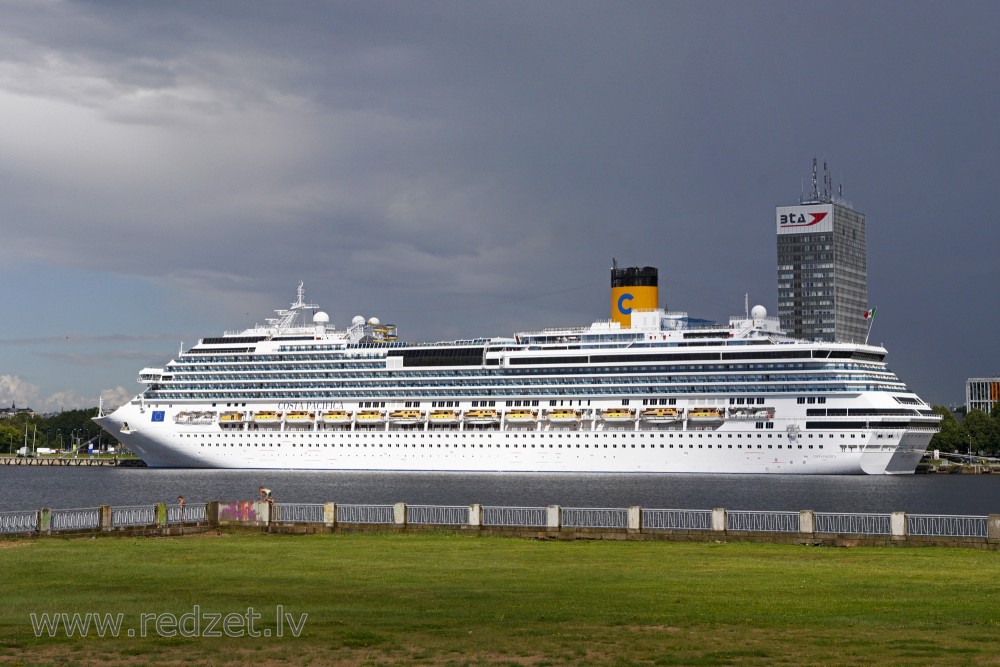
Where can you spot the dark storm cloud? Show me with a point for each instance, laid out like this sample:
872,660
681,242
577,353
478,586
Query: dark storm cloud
472,168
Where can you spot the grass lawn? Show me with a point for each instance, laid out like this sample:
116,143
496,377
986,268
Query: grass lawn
443,599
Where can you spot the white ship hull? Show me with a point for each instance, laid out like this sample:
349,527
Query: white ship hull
728,449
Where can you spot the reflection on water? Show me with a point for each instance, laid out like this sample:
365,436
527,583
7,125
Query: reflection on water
31,487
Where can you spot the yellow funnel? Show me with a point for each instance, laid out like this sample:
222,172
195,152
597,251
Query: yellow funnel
633,289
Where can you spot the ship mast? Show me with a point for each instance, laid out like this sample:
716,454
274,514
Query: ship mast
286,318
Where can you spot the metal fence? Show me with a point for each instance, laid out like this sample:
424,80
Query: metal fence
190,513
438,515
594,517
676,519
614,518
838,523
135,515
75,519
942,525
762,522
298,512
365,514
515,517
18,522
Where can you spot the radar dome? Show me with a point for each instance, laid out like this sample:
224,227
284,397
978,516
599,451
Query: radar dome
358,319
758,312
374,321
321,318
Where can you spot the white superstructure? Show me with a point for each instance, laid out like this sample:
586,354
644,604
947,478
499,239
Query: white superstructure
663,394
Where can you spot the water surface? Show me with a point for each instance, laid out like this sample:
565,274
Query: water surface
23,487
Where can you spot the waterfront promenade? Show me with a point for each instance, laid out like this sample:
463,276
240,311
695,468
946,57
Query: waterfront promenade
633,523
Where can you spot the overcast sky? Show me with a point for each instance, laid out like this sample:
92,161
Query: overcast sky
171,170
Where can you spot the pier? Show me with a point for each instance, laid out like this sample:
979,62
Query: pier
71,461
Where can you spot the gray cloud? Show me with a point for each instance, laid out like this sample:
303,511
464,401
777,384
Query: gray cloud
471,169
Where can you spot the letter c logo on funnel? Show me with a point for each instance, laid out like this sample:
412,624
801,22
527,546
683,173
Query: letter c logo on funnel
622,308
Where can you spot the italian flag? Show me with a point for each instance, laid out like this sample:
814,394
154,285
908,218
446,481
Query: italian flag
869,314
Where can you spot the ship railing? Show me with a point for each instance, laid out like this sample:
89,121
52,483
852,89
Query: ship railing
80,518
840,523
944,525
515,517
438,515
132,515
18,522
762,522
190,513
365,514
594,517
297,513
662,519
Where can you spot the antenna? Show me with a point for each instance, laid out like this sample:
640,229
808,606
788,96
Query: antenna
815,189
746,304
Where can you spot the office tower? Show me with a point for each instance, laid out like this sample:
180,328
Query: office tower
822,266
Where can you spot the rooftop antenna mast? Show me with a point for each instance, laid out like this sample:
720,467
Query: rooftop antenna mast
815,192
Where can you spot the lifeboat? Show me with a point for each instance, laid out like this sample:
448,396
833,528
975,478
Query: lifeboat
705,416
299,417
336,417
482,416
750,413
443,417
617,415
266,417
195,418
661,415
563,416
231,418
406,416
521,416
369,417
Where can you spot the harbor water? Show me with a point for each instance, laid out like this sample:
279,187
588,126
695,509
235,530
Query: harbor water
23,487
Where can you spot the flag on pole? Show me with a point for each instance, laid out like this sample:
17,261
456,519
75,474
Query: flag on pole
869,314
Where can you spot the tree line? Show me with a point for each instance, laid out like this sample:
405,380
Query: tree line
62,431
979,432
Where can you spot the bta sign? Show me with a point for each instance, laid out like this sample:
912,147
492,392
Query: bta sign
804,219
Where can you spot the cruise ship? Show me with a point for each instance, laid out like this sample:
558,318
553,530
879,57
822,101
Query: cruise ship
646,391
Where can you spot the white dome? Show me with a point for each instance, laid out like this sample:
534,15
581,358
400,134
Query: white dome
321,318
358,319
374,321
758,312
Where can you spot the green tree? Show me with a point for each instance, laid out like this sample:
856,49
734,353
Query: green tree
10,437
982,430
71,424
951,436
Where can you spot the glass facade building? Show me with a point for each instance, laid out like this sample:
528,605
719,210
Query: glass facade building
822,271
982,394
